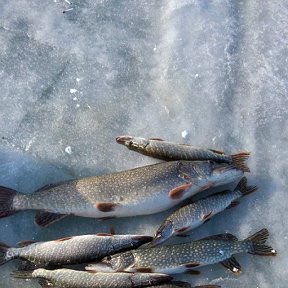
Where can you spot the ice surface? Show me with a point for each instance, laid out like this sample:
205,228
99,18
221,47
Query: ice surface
71,83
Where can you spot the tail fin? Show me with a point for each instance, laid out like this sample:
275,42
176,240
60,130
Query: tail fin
6,201
258,246
239,160
21,274
3,250
243,188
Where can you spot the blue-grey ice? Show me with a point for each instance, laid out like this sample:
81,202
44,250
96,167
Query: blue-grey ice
205,72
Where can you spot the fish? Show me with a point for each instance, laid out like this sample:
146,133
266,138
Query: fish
185,257
176,284
71,250
140,191
63,278
164,150
193,215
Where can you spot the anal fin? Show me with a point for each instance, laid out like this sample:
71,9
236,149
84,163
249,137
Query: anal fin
46,284
232,264
44,219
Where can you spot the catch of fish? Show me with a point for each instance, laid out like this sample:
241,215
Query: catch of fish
118,260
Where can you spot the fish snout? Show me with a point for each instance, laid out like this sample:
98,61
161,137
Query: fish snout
124,140
164,232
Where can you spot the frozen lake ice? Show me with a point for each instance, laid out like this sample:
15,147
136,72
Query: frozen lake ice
209,73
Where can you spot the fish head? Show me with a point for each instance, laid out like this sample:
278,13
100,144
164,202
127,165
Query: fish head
133,143
115,263
165,231
223,173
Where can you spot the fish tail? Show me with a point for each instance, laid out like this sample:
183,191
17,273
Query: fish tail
258,244
6,201
21,274
243,188
3,250
239,160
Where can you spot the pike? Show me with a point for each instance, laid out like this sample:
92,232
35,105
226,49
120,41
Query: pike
63,278
183,258
140,191
158,148
193,215
71,250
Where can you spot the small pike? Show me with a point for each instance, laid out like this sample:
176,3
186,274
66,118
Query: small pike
185,257
63,278
71,250
193,215
141,191
164,150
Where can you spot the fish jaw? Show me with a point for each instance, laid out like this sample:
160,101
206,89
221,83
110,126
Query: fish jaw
165,231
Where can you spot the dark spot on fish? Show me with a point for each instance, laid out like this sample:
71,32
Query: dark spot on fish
207,216
192,265
106,206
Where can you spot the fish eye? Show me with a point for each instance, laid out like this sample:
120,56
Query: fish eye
108,258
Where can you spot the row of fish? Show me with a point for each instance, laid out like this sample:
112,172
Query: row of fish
140,191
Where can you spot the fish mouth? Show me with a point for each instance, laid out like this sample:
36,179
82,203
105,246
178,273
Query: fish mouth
124,140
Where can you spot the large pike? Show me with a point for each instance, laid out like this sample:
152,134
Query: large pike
71,250
193,215
164,150
64,278
184,257
141,191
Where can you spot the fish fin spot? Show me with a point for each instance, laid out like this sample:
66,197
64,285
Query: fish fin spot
232,264
222,237
144,270
45,283
156,139
46,218
63,239
233,204
25,243
183,229
106,206
221,152
192,265
207,216
179,191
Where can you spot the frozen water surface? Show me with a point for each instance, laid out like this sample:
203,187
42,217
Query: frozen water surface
205,72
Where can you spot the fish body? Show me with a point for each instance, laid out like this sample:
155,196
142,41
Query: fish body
165,150
184,257
63,278
72,250
193,215
141,191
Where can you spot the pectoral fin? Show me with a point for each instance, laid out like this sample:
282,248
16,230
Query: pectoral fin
44,219
178,192
106,206
232,264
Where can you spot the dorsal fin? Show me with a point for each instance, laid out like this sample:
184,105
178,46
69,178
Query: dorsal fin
232,264
43,218
222,237
25,243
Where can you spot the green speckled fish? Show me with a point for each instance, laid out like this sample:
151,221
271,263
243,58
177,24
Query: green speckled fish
64,278
141,191
164,150
72,250
193,215
184,257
